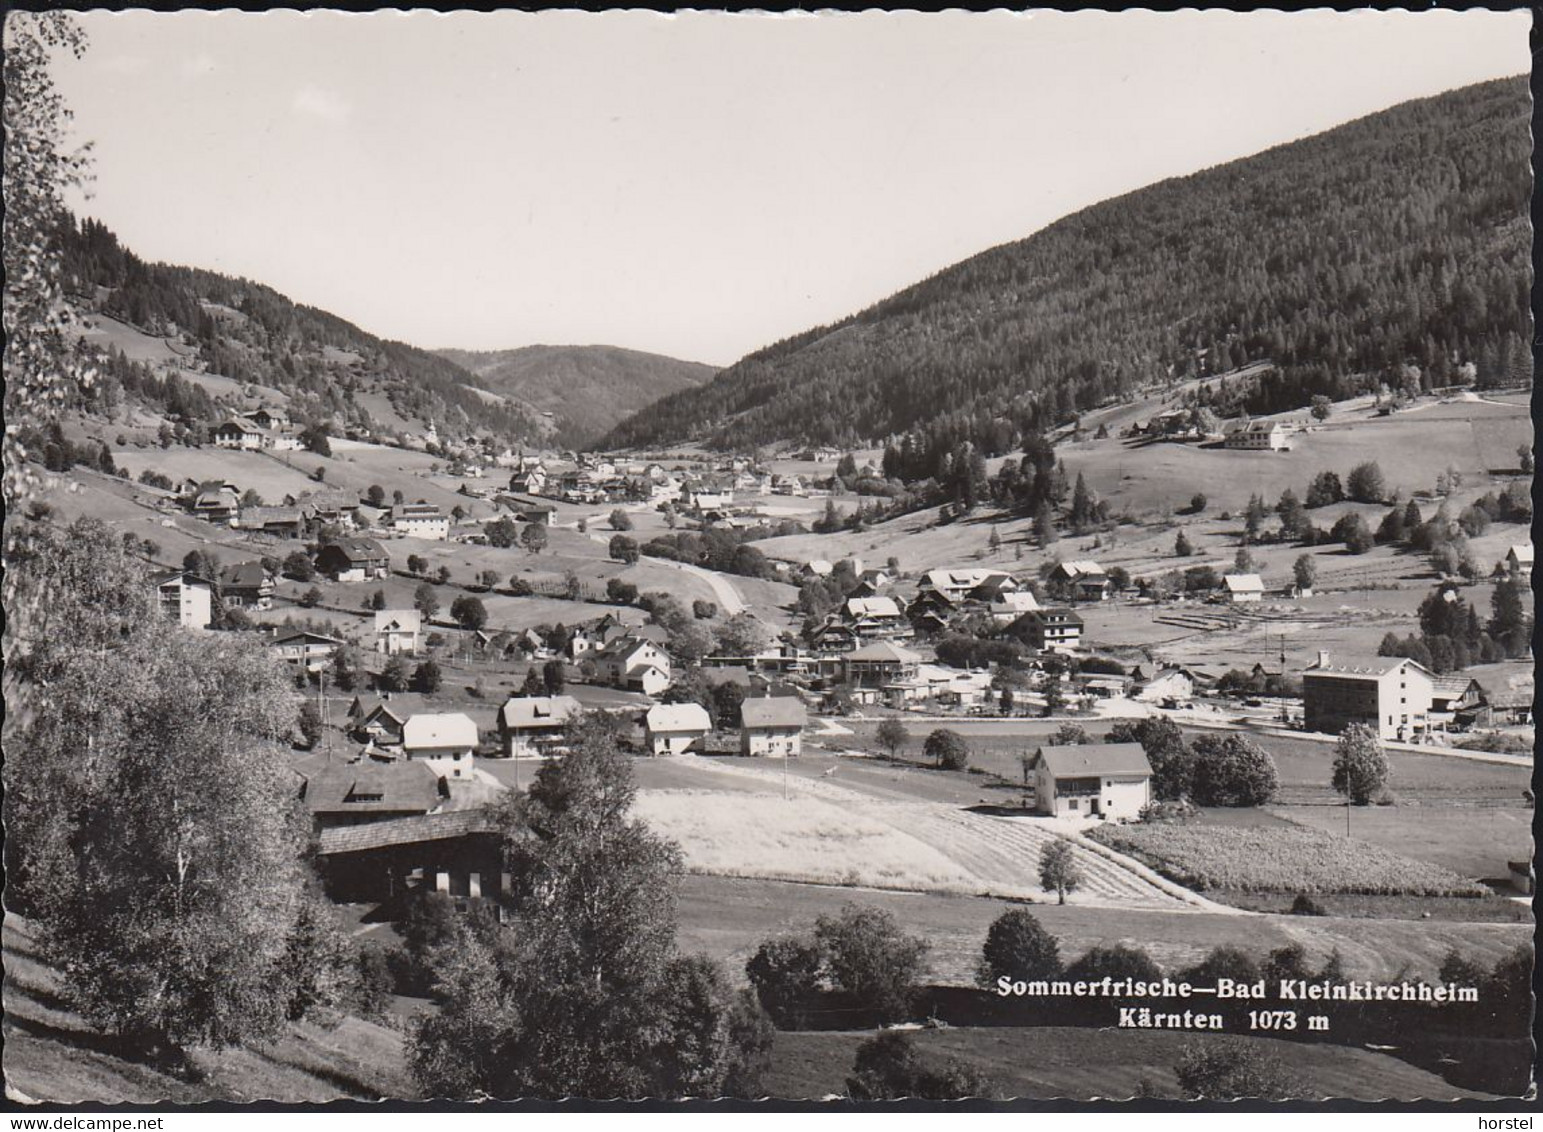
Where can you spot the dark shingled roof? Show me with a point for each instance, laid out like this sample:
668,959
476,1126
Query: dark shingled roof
404,831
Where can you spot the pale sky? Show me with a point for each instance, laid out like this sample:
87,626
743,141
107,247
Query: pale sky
698,185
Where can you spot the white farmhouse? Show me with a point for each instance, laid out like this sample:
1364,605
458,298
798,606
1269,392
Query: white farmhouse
1099,780
671,729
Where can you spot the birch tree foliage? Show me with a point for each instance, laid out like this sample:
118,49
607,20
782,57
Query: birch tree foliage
153,819
42,375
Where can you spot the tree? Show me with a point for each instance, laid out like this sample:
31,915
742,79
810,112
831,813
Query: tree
619,592
311,598
1070,735
393,677
1293,516
582,992
704,610
1044,525
1231,1070
298,565
1324,490
1243,561
871,959
1232,770
785,974
1304,571
947,749
1017,947
620,520
1171,760
534,685
1360,764
1321,407
468,612
624,549
553,676
416,564
168,905
1182,546
1524,459
1116,962
427,677
533,537
1197,503
1254,515
741,635
376,495
43,375
378,600
426,600
314,438
1222,962
1365,483
1058,871
892,735
309,724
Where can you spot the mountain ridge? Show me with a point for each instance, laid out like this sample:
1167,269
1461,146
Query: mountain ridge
588,388
1398,239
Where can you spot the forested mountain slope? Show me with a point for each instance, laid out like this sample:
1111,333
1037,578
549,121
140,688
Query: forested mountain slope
588,389
1398,239
245,331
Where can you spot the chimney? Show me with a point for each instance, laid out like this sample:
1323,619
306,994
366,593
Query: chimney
1323,658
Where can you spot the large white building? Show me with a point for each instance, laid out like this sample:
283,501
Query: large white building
396,631
440,735
772,725
185,598
1391,693
1098,780
420,520
1264,436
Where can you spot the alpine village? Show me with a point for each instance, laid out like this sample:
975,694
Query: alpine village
1146,599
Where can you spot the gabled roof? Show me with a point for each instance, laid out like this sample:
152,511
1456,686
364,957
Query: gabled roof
245,575
1448,687
186,577
773,711
678,717
1079,567
961,579
1243,583
872,607
885,651
539,711
306,636
1522,552
1369,667
404,831
398,620
344,788
440,729
263,516
356,549
1083,759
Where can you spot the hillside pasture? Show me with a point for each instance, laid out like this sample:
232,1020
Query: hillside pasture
728,918
1049,1063
53,1054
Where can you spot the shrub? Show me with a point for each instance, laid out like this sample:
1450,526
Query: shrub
871,959
1115,962
948,749
1232,1070
1019,948
785,974
1232,770
620,593
1365,483
1223,962
704,610
887,1067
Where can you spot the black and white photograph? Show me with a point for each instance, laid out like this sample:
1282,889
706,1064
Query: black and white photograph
808,558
